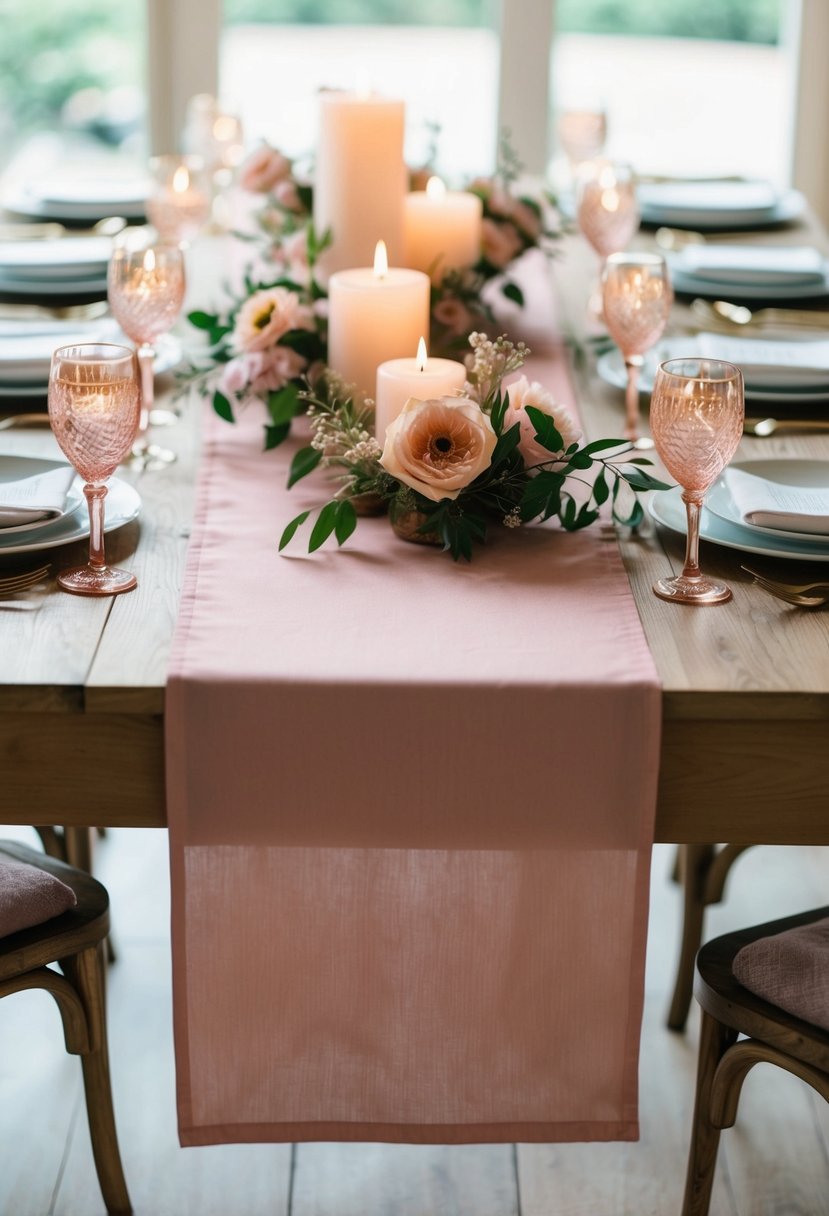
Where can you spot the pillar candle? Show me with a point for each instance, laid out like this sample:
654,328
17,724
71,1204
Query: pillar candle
442,229
374,315
360,177
421,377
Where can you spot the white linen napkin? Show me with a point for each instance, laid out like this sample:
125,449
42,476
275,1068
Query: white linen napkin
768,504
753,265
35,499
769,364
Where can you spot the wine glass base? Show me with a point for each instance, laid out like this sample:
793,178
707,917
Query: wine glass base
700,590
643,443
103,580
150,456
159,417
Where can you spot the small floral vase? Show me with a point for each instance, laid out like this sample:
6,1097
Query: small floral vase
406,527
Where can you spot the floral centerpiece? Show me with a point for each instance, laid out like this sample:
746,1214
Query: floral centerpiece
452,466
274,332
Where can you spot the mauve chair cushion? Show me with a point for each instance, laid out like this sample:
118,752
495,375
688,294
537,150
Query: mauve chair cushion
29,896
790,970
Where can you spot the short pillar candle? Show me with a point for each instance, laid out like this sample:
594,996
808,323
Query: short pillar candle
421,377
442,229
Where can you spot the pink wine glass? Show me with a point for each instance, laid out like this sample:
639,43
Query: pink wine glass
636,302
697,413
94,404
146,291
606,209
582,134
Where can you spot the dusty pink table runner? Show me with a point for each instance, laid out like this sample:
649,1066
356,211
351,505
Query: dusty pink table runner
411,808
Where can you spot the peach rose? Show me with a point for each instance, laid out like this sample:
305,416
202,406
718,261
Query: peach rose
454,314
287,196
501,243
522,393
260,372
263,169
439,446
268,315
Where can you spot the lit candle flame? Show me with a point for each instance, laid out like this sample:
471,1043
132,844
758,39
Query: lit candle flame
149,261
381,260
421,356
435,188
181,180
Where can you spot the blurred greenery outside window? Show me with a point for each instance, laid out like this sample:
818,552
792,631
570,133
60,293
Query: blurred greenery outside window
75,67
727,20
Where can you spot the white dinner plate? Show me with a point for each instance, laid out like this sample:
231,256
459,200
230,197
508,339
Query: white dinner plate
693,285
16,468
19,379
77,202
69,257
611,368
667,508
121,507
70,287
789,206
808,474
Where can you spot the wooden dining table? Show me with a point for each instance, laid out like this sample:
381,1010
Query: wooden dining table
745,730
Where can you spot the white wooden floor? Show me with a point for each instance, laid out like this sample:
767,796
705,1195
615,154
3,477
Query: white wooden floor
775,1162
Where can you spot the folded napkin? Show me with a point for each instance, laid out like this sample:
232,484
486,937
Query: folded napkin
771,365
753,265
790,970
35,499
769,504
752,198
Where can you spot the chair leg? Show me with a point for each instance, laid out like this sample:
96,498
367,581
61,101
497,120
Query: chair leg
715,1039
88,973
79,848
694,863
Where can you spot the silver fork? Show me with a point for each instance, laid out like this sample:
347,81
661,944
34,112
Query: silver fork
804,595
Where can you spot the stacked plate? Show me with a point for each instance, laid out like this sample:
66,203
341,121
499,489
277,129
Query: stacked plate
776,373
42,505
718,206
70,267
751,272
26,348
77,201
777,508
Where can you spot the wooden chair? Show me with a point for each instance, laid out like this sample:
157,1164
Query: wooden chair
75,940
773,1036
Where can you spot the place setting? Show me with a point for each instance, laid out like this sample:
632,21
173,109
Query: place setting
718,205
78,200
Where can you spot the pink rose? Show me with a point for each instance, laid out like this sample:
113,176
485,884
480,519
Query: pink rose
263,170
501,243
522,393
270,370
454,315
266,316
526,220
286,195
234,377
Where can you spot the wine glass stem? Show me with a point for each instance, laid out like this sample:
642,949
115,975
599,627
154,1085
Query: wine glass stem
693,507
632,399
146,354
95,496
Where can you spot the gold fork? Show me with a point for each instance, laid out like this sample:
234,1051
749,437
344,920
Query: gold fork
793,593
22,580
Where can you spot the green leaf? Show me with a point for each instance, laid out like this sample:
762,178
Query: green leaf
274,435
506,445
324,526
634,519
601,445
203,320
545,429
288,534
641,481
305,460
345,521
223,407
578,460
541,496
600,489
499,409
283,404
513,292
568,513
586,516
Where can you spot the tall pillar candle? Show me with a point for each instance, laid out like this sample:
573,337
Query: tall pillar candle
360,177
421,377
374,315
441,229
